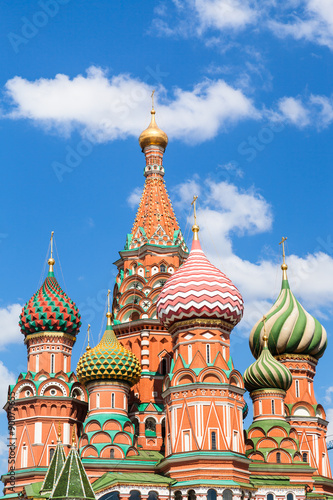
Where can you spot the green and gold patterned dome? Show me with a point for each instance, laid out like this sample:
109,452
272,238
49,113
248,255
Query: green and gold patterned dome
267,373
109,360
290,328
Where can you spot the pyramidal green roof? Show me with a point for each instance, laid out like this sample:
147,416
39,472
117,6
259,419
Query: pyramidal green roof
54,470
73,482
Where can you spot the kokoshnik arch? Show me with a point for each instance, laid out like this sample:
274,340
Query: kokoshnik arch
156,408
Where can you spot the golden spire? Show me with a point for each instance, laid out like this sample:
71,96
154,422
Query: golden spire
88,346
265,338
153,135
195,227
59,431
51,260
108,314
284,266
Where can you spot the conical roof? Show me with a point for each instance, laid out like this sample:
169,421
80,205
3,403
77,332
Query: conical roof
198,289
50,309
54,470
109,360
73,482
267,373
290,328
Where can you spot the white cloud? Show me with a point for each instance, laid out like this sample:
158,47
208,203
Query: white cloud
9,327
222,14
105,109
6,378
134,198
225,210
314,110
293,110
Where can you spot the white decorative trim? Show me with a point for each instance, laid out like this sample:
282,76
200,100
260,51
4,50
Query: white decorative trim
56,384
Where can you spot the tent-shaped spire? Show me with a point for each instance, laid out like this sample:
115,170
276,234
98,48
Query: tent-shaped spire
54,469
73,482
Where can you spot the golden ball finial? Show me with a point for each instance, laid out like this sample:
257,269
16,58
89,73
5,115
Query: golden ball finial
153,135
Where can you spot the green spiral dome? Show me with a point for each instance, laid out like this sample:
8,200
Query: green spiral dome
267,373
290,328
109,360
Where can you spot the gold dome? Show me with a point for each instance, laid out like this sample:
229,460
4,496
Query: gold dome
153,135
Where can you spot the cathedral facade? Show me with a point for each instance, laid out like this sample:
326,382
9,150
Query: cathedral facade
156,408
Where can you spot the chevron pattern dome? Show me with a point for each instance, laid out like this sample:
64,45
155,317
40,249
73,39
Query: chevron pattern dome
267,373
290,328
199,290
109,360
50,309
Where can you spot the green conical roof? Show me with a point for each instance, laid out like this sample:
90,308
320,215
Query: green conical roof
73,482
267,373
54,470
290,328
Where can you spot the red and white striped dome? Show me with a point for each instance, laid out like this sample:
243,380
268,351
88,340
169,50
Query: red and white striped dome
199,290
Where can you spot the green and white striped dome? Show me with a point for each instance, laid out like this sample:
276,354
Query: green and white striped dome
267,373
290,328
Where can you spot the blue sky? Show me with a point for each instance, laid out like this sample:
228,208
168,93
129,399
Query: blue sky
244,92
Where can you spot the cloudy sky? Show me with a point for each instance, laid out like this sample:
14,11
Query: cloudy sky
244,92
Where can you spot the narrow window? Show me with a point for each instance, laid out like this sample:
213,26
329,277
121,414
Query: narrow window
164,366
38,432
208,353
278,457
305,457
290,496
24,459
125,401
112,453
260,407
51,453
65,364
189,353
213,440
97,400
273,407
270,496
186,441
297,388
162,268
52,363
37,363
235,441
112,400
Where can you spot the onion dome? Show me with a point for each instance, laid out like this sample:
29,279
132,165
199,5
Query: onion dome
199,290
50,309
267,373
290,328
109,360
153,135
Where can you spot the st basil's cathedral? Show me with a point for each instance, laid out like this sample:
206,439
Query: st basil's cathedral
155,410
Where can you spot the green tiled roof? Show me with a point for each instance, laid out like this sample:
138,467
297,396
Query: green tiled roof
73,482
33,490
54,470
110,478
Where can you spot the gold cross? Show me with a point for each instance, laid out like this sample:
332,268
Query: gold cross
52,244
152,98
109,291
88,346
194,208
283,252
59,431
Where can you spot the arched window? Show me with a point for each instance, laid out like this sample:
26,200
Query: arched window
97,400
208,353
227,495
37,363
112,453
150,427
189,353
211,494
297,388
304,457
278,457
52,364
112,400
270,496
153,495
51,453
191,495
213,441
273,407
135,495
162,268
290,496
178,495
164,366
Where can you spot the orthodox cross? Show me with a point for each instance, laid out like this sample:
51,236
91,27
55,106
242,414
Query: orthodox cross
88,346
152,98
59,431
194,208
109,291
283,252
52,244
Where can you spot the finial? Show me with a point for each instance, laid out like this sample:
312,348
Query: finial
195,227
108,314
88,346
284,266
265,338
74,436
51,260
59,431
152,100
